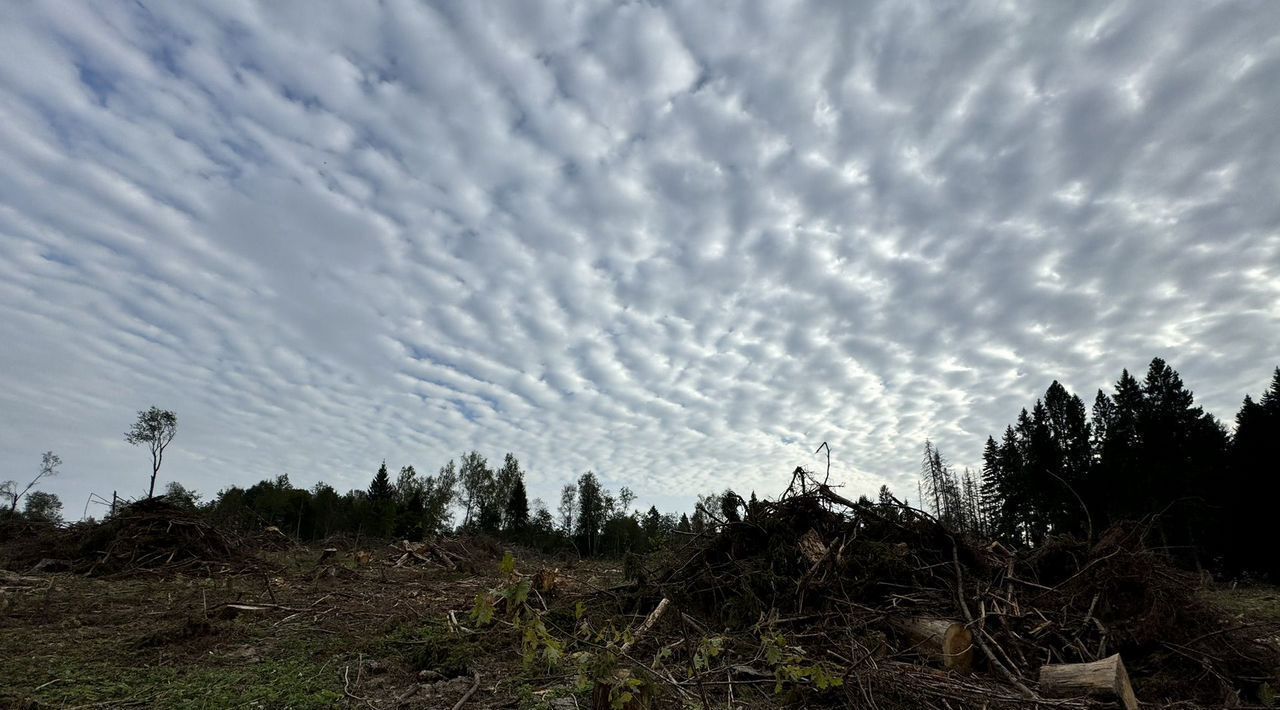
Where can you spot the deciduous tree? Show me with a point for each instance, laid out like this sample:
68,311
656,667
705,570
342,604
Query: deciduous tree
156,428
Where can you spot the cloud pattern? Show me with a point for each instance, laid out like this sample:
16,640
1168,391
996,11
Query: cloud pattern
678,243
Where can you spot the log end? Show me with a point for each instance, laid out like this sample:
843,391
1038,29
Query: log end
957,648
1106,678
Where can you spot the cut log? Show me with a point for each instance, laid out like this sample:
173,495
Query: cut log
1100,679
811,546
948,642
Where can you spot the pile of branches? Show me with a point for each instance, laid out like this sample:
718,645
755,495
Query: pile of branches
425,553
155,534
877,591
26,544
450,553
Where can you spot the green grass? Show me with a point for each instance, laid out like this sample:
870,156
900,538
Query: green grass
237,670
1253,604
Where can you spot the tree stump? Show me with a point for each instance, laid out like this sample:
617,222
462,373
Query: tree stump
948,642
1100,679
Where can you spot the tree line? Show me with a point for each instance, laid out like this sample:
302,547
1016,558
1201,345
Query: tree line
589,519
1143,452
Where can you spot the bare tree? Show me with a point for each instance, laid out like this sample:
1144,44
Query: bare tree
155,428
568,503
49,464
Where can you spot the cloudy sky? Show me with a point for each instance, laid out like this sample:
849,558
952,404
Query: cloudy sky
679,244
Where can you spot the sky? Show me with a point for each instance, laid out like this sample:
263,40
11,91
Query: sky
680,244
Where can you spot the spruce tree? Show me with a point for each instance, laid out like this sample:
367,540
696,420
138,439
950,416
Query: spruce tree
652,525
516,516
1015,510
992,491
1121,454
380,488
381,516
1253,487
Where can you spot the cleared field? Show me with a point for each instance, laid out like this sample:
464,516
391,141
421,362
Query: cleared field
285,638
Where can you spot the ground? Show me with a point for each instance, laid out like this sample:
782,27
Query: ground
318,636
288,629
1259,604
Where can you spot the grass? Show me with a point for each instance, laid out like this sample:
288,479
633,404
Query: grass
161,641
224,667
1251,604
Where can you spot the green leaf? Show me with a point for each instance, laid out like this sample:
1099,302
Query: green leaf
520,592
508,565
482,612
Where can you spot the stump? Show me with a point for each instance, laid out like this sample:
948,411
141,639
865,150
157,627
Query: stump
1101,679
948,642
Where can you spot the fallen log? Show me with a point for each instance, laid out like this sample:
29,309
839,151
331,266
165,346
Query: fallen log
948,642
648,623
1101,679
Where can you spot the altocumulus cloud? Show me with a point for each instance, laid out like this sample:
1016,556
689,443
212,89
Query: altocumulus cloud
681,244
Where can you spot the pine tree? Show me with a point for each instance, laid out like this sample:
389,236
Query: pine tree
380,489
381,517
1180,449
1120,459
1016,512
992,490
516,516
652,525
1253,487
1068,461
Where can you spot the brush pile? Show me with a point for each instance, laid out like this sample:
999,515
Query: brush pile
448,553
907,613
155,534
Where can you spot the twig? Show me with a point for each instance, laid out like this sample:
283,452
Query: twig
977,638
346,685
828,448
474,686
413,690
